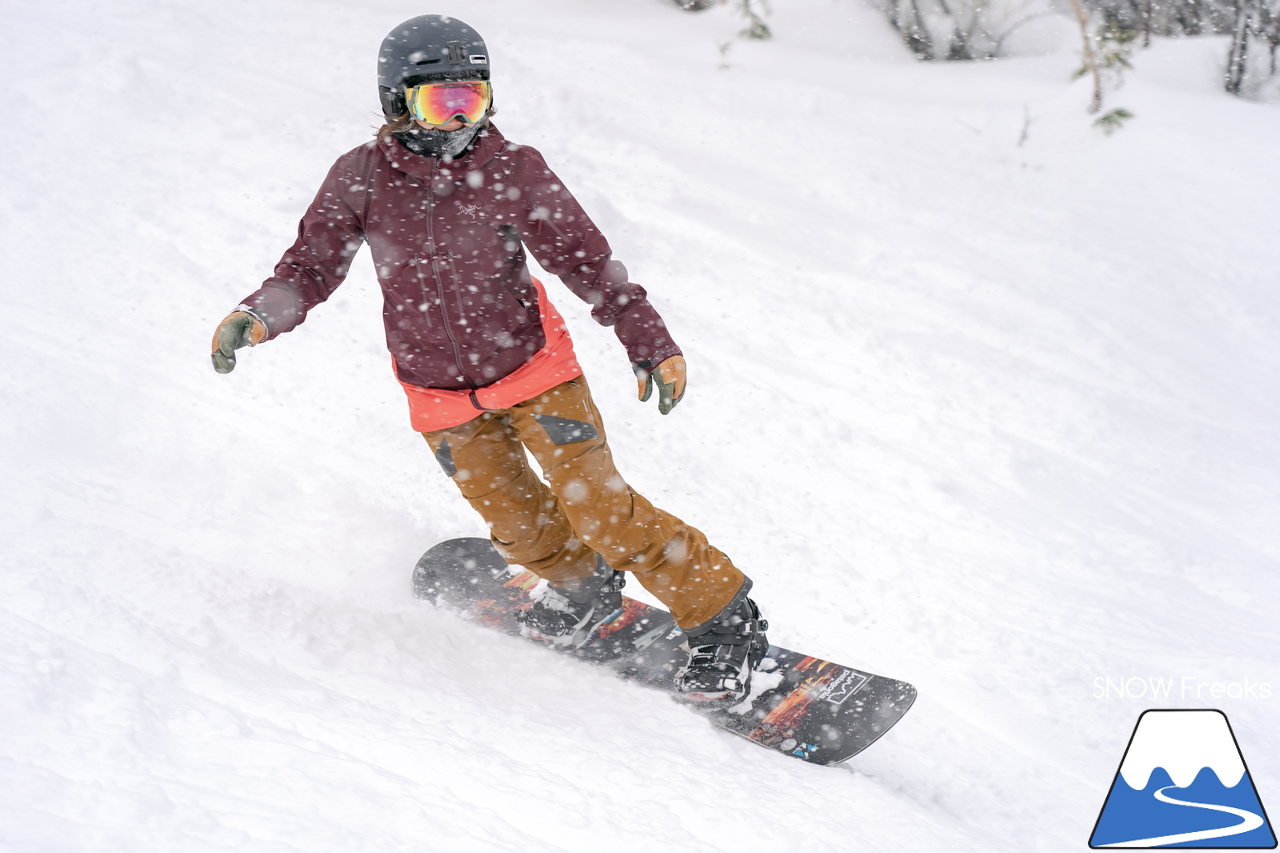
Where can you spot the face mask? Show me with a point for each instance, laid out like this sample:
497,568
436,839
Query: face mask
445,144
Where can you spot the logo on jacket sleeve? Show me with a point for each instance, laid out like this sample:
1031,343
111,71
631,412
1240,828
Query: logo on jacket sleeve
1183,783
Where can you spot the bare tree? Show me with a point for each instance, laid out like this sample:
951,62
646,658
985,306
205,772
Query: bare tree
907,20
960,29
1254,20
1269,23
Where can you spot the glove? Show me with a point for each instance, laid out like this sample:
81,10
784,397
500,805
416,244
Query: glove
237,329
670,376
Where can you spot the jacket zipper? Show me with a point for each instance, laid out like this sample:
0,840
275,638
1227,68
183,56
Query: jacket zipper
435,269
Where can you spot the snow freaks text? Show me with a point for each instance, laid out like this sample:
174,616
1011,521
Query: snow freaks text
1187,687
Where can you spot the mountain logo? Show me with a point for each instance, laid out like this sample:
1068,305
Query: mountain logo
1183,783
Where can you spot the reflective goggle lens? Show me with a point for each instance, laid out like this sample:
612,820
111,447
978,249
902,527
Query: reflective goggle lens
441,103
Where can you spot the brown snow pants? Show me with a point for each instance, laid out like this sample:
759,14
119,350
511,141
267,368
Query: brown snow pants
555,529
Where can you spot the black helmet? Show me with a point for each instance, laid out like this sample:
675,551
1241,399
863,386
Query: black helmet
428,47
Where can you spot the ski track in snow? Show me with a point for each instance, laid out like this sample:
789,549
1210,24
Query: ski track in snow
996,418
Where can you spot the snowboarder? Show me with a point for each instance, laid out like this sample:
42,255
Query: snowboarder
448,206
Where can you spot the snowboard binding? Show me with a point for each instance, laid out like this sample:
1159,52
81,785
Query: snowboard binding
566,618
722,657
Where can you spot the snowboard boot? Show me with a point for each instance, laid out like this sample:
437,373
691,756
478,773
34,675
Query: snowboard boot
722,656
566,618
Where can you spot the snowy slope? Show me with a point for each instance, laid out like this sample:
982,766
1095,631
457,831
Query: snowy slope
981,398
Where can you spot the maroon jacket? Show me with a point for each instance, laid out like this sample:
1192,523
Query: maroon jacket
458,304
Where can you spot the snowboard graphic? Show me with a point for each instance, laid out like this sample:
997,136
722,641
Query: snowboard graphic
812,709
1183,783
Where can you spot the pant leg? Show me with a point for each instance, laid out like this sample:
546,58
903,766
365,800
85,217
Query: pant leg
486,462
674,561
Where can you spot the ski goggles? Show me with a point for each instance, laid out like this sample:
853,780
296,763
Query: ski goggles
441,103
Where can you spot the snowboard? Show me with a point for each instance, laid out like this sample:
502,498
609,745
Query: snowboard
799,705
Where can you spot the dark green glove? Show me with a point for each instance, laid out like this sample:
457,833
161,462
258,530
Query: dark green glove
238,329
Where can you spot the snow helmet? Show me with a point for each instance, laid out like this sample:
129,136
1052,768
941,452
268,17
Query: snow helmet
425,48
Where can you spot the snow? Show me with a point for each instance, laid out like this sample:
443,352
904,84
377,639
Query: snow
981,398
1183,743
